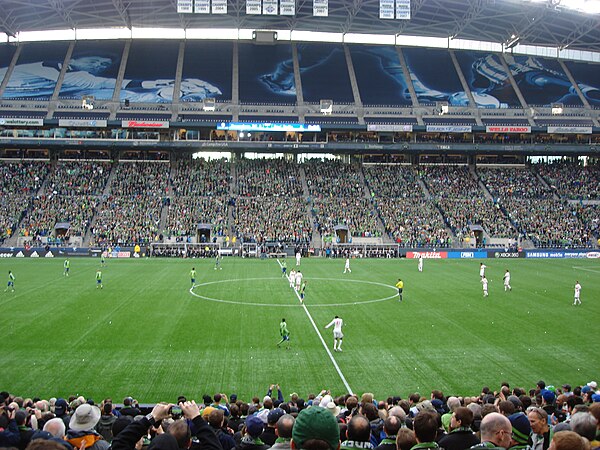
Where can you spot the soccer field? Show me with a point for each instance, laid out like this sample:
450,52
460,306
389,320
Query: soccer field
146,334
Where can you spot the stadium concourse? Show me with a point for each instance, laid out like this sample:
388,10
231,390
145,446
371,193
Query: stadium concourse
505,417
266,201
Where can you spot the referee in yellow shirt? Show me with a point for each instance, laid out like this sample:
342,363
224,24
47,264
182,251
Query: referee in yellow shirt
400,286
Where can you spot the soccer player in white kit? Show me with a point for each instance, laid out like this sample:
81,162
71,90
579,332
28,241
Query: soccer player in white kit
298,257
484,282
347,266
337,323
482,268
507,281
298,280
420,263
292,277
577,300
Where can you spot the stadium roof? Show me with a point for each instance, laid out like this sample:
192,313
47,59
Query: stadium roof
534,22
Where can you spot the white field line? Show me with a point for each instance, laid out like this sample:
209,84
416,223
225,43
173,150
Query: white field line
335,364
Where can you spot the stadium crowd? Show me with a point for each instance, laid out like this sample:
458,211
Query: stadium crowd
572,181
19,181
281,219
78,178
199,177
127,221
184,214
549,223
541,418
268,178
275,199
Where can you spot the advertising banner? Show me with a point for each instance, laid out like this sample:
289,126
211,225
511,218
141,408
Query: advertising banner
145,123
82,123
21,122
504,255
467,255
389,127
449,129
570,130
499,129
427,255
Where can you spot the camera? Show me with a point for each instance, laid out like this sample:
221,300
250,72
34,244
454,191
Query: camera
175,411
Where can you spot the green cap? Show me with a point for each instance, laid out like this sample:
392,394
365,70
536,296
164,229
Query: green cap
316,423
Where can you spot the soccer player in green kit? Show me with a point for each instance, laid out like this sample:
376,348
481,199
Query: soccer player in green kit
285,334
193,276
67,266
11,282
99,279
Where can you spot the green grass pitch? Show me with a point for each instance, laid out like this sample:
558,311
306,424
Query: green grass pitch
147,336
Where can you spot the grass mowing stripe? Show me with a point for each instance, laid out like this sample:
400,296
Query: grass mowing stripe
335,364
164,342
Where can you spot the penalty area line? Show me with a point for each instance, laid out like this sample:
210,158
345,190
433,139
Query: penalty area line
334,362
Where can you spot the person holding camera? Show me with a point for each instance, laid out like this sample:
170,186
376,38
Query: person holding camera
9,436
135,431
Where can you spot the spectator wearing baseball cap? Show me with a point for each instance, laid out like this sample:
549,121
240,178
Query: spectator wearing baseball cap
269,436
252,430
315,429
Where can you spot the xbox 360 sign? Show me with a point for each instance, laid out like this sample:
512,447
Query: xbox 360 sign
504,254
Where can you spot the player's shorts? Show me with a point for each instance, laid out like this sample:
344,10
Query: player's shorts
338,335
193,280
11,283
286,338
283,269
399,290
98,281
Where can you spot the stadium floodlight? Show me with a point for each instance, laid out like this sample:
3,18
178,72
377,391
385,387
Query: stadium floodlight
512,41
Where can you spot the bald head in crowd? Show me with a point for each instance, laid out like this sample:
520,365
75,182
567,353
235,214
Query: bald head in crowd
284,426
56,427
496,428
391,425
